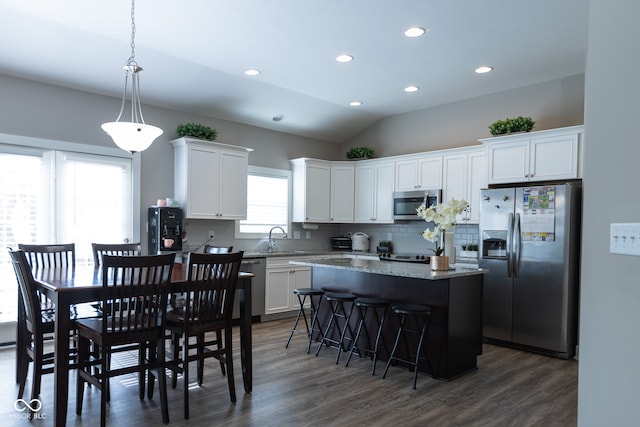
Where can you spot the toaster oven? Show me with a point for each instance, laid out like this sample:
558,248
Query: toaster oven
341,243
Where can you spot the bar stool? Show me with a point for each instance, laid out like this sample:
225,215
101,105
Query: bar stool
338,310
303,294
421,314
366,305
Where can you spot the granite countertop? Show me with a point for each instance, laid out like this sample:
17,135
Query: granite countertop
399,269
311,252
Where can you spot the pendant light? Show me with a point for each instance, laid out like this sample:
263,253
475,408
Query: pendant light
133,136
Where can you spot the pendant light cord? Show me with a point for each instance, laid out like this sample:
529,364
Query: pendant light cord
132,58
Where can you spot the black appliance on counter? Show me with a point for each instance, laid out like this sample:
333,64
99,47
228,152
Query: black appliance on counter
341,243
165,229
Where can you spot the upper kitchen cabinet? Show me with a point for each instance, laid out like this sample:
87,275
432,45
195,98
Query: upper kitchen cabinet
210,179
323,191
422,173
374,192
536,156
342,192
464,174
311,190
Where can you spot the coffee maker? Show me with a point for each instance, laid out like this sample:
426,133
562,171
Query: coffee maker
165,229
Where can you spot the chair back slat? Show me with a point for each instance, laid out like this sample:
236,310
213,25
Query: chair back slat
138,297
30,297
209,249
56,255
211,286
100,249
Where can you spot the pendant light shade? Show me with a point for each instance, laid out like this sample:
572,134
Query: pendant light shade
133,136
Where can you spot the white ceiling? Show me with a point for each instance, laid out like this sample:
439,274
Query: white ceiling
194,53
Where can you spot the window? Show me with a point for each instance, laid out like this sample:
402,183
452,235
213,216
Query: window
268,195
55,196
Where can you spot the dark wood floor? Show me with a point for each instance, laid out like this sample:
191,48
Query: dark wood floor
292,388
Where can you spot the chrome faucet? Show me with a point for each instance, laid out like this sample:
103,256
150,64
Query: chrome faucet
272,240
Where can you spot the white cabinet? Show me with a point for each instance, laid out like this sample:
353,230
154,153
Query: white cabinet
342,192
311,190
477,180
536,156
464,174
281,280
423,173
374,192
210,179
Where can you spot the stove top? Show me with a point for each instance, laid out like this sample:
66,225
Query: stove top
416,258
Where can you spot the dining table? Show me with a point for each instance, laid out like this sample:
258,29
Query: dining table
67,286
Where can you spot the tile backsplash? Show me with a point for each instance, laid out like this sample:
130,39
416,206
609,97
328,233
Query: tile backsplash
406,236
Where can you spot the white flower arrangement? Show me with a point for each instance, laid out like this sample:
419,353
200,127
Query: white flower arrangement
444,218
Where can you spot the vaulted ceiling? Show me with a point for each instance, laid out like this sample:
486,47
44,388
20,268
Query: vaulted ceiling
194,54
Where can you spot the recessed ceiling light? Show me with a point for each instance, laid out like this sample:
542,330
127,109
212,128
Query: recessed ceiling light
252,72
355,103
411,89
415,32
483,69
344,58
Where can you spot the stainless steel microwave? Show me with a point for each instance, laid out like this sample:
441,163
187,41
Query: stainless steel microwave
405,203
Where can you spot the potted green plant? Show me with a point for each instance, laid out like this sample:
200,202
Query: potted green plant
510,125
384,247
359,153
196,130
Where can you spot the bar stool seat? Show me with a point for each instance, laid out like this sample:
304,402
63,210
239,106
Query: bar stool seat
337,301
310,328
364,306
421,315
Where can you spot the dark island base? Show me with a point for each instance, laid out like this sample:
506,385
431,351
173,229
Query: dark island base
455,333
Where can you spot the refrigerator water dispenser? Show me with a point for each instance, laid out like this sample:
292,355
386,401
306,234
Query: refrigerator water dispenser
494,244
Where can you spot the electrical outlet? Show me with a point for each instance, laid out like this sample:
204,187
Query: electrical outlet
211,234
308,235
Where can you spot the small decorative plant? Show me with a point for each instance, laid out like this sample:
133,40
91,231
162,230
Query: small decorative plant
509,125
197,130
444,218
384,246
359,153
470,248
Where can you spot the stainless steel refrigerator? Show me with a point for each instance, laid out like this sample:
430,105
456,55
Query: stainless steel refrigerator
530,243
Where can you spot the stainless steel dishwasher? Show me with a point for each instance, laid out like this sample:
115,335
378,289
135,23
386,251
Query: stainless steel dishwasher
257,266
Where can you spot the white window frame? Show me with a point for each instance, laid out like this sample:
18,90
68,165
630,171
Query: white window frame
275,173
18,144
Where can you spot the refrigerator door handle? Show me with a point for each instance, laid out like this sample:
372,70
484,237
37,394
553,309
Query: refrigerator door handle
510,246
517,245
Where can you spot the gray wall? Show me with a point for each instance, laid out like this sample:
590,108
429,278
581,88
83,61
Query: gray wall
609,376
551,104
39,110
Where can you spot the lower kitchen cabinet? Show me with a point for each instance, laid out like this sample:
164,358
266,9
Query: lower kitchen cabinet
282,278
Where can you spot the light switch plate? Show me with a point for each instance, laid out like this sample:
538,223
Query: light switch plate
624,239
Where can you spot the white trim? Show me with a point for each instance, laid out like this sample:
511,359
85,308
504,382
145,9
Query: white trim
52,144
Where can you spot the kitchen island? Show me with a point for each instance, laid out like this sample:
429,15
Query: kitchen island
455,296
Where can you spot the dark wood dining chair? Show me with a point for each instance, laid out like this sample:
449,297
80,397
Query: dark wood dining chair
209,295
136,297
37,324
209,249
100,249
55,255
48,256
